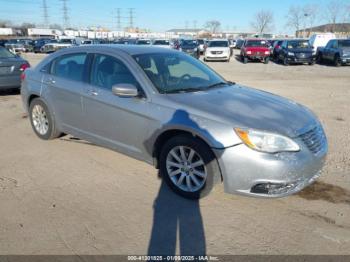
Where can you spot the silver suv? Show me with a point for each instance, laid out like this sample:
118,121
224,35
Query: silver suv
171,110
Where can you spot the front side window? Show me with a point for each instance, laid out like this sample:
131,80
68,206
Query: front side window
108,71
70,66
344,43
177,72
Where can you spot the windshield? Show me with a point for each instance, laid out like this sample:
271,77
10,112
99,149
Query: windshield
344,43
66,41
4,53
257,43
14,41
161,42
191,43
143,42
298,44
177,72
218,44
200,41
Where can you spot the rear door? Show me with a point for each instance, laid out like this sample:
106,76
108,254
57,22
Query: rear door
65,83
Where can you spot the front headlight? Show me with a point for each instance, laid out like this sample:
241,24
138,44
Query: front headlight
266,142
291,54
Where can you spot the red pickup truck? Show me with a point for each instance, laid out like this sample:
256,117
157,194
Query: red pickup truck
255,49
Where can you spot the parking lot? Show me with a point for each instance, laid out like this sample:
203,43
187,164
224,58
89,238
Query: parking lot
68,196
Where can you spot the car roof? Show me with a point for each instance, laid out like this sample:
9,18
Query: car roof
129,49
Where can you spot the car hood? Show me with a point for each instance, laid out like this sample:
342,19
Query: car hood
218,48
248,108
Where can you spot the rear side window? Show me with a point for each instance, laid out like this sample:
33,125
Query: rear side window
108,71
70,66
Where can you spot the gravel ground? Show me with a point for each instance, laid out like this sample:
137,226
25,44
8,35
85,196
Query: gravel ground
70,197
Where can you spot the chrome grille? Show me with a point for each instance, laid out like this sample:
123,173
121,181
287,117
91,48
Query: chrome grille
315,139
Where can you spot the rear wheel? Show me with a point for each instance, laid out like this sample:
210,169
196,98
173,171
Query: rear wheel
42,120
189,167
266,60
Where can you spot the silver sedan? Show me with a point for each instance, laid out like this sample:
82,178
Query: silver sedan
171,110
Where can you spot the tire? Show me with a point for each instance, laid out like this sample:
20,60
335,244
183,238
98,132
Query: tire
42,121
209,170
319,58
285,61
228,60
311,63
336,61
244,59
204,59
266,60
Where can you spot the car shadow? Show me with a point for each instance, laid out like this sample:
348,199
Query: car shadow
10,91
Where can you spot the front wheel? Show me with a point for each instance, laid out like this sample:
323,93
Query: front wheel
266,60
337,61
42,121
244,59
285,61
189,167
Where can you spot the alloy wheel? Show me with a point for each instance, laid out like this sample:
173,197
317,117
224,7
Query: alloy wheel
186,169
40,120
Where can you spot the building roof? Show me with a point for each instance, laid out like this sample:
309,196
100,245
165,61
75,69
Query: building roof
182,30
340,27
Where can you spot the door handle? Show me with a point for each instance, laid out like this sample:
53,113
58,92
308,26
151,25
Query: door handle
50,81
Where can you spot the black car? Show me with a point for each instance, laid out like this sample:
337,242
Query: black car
276,48
336,51
297,51
190,47
239,43
39,43
11,68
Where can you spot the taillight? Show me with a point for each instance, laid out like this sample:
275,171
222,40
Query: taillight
23,76
24,67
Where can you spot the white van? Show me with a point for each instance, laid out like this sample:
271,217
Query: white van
320,40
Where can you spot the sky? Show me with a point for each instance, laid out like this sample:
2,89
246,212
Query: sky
156,15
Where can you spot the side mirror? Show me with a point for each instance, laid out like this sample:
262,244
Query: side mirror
125,90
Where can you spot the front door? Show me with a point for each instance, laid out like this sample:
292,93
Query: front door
117,122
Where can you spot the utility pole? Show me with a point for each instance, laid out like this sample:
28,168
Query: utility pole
131,17
65,13
45,14
119,26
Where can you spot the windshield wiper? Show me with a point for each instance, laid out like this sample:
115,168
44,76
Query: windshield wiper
220,84
183,90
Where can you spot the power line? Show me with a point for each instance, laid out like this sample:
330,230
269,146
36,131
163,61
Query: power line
65,13
131,17
119,26
45,13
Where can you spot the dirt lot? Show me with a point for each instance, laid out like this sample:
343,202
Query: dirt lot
70,197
